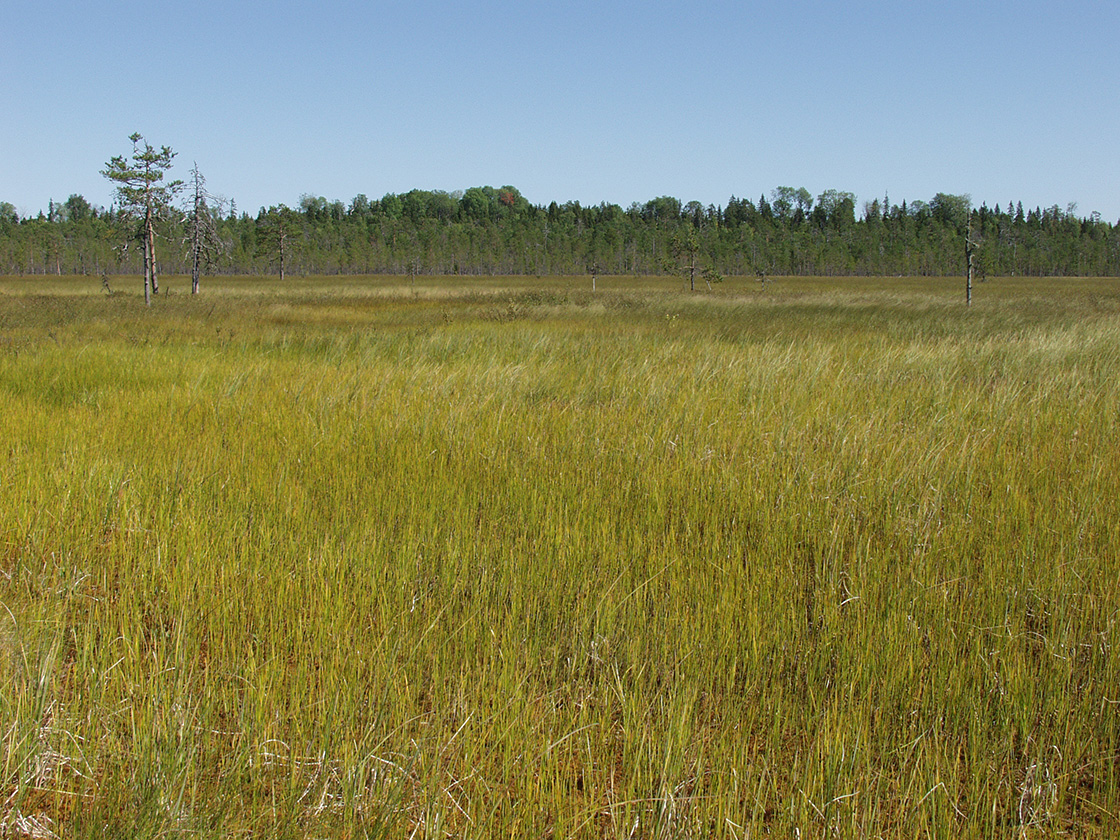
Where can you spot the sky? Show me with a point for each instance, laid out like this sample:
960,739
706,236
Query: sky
577,101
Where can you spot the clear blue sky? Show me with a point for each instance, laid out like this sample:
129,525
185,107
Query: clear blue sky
588,101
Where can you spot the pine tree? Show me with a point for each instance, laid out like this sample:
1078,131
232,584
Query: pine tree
141,193
275,228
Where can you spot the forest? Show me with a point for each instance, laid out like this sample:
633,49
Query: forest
496,231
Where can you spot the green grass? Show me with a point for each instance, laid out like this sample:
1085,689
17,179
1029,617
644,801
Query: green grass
354,557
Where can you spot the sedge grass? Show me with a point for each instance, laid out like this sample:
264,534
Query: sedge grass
484,558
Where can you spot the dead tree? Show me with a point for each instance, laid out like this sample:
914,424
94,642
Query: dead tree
201,238
970,246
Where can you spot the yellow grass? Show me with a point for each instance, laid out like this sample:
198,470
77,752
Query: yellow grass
505,557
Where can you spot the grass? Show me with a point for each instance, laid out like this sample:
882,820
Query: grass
496,557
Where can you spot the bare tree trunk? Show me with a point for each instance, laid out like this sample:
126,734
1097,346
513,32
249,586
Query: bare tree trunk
196,255
196,228
152,253
968,282
147,263
969,253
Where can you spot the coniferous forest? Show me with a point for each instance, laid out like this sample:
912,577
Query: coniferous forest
487,230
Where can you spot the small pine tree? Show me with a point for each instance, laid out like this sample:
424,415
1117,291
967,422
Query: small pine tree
141,193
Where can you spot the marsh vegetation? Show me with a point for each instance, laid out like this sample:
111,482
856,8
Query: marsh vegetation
502,557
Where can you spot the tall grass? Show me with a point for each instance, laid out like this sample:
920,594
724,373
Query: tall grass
479,559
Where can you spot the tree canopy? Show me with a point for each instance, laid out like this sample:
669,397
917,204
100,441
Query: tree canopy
495,230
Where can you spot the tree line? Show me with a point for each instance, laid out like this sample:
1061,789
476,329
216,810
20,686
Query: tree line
495,230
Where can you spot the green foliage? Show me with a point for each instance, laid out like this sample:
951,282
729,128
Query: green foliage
278,234
141,193
782,201
77,209
710,276
138,180
835,210
951,210
478,203
487,230
684,250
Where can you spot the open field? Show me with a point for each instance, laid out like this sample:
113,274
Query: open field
829,557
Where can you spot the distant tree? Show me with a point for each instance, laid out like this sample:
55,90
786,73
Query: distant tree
970,246
508,196
954,211
359,206
203,242
414,206
711,276
413,269
835,210
276,228
77,208
739,211
477,203
664,209
141,193
684,248
783,200
804,200
392,206
487,230
764,209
